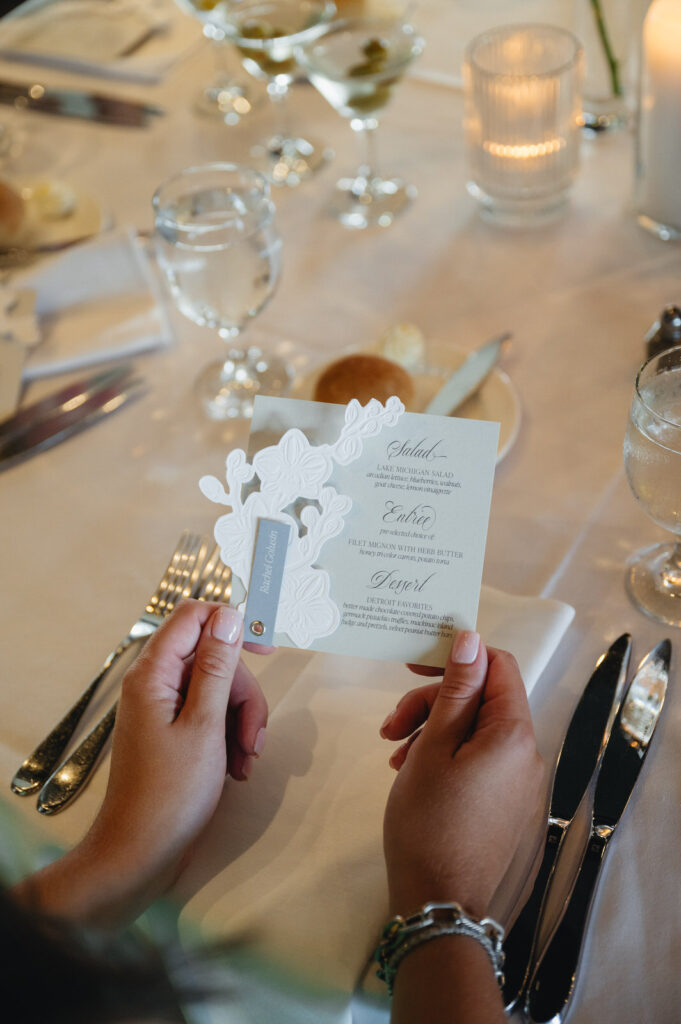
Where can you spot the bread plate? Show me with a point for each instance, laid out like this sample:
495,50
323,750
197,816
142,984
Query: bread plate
497,400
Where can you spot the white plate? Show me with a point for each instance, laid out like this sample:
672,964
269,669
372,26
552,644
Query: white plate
83,221
82,29
497,400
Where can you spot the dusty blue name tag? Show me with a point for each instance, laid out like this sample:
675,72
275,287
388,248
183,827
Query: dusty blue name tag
271,545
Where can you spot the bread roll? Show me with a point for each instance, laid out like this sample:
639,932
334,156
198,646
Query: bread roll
364,376
12,216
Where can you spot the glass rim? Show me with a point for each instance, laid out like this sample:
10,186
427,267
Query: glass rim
188,174
338,25
231,30
637,389
501,30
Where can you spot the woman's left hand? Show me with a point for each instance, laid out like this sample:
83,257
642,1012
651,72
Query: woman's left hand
190,712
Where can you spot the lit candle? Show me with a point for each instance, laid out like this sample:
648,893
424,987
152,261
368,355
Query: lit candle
659,146
522,120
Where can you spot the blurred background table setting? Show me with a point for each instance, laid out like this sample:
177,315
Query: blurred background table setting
573,274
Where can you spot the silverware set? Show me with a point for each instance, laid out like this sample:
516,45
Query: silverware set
191,572
78,103
607,741
45,423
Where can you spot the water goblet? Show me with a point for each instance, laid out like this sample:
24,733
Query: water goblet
652,460
220,252
355,64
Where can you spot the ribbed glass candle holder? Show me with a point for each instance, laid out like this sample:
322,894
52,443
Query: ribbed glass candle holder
522,122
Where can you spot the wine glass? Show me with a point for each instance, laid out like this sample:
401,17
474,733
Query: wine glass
356,64
652,460
220,252
223,96
265,33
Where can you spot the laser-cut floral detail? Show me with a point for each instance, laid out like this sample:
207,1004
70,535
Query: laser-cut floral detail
288,471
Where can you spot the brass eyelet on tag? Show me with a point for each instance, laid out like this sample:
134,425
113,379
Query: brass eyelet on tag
257,627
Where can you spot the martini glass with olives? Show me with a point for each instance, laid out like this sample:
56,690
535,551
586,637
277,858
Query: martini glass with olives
356,64
266,33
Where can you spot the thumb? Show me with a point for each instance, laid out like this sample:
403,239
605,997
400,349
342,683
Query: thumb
453,713
216,660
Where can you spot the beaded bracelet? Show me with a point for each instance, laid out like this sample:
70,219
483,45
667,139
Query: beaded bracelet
403,934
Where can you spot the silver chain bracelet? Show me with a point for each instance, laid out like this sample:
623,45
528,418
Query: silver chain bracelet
403,934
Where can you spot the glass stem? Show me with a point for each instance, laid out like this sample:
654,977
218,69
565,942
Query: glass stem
671,573
235,353
278,92
365,130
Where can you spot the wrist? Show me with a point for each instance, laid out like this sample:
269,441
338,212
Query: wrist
433,923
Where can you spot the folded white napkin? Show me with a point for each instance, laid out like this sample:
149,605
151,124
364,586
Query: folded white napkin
96,302
292,862
115,39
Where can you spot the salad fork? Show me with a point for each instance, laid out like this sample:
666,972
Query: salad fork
179,576
211,583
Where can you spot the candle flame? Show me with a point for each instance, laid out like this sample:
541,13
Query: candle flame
524,151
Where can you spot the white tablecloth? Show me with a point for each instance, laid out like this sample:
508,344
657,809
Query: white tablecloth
88,526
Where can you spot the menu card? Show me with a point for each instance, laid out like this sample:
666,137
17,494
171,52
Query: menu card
384,517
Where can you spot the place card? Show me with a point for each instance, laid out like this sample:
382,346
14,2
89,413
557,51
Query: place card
388,514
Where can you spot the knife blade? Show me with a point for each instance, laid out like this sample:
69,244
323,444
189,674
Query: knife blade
579,757
89,106
466,380
553,980
70,396
81,410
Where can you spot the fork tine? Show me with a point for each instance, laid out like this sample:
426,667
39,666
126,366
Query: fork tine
186,539
178,574
215,583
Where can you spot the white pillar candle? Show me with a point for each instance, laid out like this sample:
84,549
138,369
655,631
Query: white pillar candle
659,150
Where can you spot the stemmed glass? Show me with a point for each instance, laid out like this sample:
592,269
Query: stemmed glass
220,252
222,96
356,64
652,460
265,33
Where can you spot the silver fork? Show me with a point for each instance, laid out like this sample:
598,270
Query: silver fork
212,583
179,575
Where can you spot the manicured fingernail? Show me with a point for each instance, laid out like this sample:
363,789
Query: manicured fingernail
226,625
387,722
259,744
465,647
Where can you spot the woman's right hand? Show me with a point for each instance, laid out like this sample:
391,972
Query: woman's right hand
470,782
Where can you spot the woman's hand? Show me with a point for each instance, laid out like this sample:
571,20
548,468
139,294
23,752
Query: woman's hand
469,784
190,712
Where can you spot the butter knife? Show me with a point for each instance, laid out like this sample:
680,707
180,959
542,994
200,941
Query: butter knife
70,410
468,378
579,757
553,980
89,106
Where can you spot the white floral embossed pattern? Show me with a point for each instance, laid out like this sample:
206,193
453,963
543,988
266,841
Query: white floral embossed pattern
289,471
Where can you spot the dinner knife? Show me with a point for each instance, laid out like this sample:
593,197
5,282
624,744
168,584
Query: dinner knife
553,979
89,106
466,380
45,423
579,757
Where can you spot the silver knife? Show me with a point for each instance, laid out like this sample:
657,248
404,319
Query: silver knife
470,376
579,757
553,980
71,410
90,106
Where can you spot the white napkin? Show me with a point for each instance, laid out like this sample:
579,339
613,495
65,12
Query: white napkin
96,302
93,37
293,860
